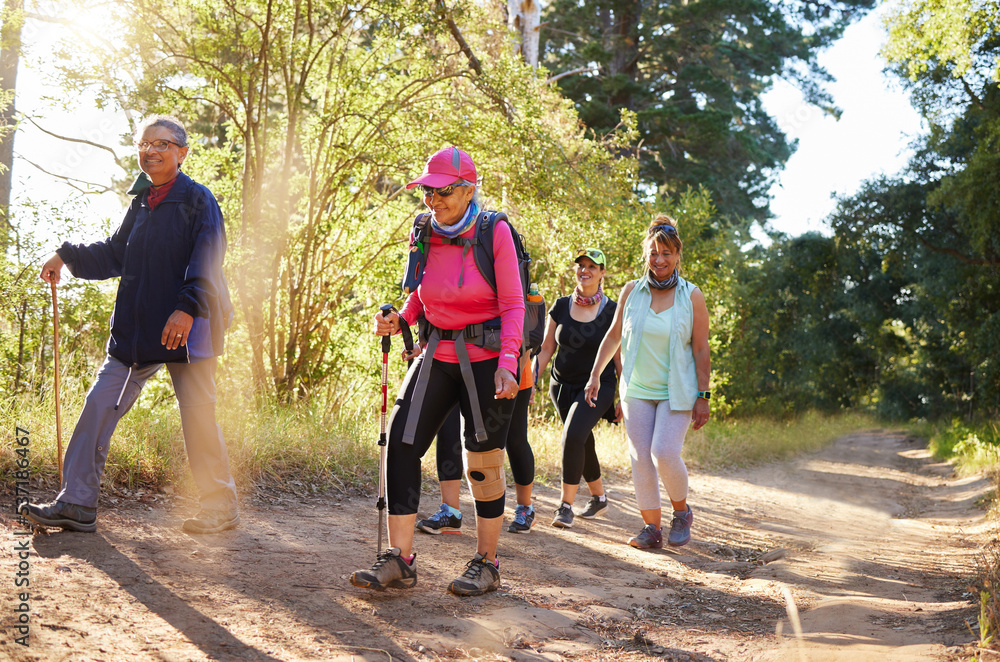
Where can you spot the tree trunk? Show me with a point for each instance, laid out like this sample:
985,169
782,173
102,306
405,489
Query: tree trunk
523,18
21,321
624,46
10,55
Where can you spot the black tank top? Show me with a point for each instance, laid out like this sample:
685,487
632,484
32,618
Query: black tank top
578,343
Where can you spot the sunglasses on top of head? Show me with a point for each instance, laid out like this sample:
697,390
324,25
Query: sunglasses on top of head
443,192
665,227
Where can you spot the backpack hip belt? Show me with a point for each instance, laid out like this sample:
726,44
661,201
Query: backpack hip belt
423,376
482,334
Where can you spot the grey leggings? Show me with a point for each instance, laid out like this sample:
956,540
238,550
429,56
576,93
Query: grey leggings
655,438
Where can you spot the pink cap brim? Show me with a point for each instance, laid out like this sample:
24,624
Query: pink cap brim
433,179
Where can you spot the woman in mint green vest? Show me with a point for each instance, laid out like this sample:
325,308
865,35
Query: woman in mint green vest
661,325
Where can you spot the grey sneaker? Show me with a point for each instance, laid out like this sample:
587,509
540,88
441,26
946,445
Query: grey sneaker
389,571
65,515
564,517
524,519
480,576
594,507
649,538
211,521
440,522
680,528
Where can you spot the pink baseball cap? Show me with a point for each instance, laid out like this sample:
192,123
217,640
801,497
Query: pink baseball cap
445,167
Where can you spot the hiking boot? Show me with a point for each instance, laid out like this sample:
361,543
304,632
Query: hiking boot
389,571
564,517
649,538
480,576
524,519
65,515
594,507
211,521
440,522
680,528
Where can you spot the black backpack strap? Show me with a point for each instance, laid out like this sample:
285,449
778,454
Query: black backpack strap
421,230
483,249
416,256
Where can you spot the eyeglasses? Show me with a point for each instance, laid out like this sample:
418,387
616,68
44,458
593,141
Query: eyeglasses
156,145
669,229
443,192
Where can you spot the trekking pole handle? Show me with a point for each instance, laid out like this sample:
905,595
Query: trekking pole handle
386,308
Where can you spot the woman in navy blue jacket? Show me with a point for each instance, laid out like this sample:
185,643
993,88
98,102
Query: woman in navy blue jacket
172,308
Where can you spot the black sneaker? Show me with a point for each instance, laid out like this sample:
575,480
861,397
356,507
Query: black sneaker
389,571
480,576
211,521
65,515
564,517
440,522
524,519
594,507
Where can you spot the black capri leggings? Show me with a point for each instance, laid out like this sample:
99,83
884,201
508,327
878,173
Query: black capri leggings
445,388
579,418
522,459
449,447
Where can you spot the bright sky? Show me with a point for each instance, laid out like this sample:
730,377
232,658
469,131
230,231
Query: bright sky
833,157
79,119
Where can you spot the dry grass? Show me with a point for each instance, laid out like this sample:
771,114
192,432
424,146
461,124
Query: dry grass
316,449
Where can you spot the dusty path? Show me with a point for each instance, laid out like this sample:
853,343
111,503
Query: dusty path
871,539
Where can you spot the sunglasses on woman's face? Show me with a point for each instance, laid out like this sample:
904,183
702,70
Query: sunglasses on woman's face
443,192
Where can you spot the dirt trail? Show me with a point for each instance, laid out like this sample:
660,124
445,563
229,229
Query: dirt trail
871,538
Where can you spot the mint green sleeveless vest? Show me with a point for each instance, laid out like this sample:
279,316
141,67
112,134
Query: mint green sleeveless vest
682,379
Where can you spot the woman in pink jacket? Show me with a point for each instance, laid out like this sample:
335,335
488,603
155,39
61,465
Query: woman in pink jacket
454,300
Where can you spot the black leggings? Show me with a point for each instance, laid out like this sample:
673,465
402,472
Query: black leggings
579,418
522,459
449,447
445,388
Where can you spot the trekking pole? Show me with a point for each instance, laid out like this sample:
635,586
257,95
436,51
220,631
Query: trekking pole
382,441
386,308
55,354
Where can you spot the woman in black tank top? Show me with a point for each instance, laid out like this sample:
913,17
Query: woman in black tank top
576,327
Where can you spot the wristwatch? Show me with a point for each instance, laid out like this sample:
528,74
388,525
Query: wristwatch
705,394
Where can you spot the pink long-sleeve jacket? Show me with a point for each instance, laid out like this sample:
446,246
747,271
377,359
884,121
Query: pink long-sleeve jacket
448,306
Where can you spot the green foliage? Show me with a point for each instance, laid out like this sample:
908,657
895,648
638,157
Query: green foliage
799,342
26,324
899,311
924,34
973,447
308,119
693,73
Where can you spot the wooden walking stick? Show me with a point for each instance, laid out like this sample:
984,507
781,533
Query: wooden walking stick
55,354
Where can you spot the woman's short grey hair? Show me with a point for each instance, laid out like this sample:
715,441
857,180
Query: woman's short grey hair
476,199
168,122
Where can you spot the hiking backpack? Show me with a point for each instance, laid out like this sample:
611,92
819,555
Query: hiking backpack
482,253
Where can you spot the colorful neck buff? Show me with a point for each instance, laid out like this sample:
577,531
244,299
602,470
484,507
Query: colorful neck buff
662,284
581,300
452,231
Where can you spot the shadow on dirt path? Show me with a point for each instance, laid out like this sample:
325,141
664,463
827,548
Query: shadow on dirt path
870,539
